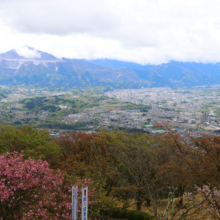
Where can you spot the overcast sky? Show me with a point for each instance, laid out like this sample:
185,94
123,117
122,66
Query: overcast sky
142,31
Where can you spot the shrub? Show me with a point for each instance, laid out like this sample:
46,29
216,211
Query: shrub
113,212
130,214
147,217
141,216
121,213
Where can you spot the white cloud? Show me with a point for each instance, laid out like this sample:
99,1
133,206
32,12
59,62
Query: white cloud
143,31
59,17
27,52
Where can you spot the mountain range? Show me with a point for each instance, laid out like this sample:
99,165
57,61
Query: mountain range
41,69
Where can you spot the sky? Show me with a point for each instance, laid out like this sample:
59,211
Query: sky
141,31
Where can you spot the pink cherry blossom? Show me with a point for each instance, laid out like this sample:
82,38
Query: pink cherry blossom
29,189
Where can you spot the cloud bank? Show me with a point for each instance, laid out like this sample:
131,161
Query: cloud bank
28,52
143,31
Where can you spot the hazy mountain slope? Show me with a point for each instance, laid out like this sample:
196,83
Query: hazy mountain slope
176,73
43,69
189,73
12,54
116,64
39,55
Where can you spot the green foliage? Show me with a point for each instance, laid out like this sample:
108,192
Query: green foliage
205,111
166,117
142,108
35,143
4,94
50,108
117,212
184,102
130,214
141,216
121,213
62,125
51,104
112,212
113,101
165,109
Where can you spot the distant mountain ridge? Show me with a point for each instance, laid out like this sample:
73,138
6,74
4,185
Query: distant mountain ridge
33,67
13,54
177,73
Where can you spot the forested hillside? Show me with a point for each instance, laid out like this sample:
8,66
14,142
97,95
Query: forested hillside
173,178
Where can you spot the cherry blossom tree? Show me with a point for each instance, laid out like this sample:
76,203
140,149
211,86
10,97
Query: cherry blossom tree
29,189
212,196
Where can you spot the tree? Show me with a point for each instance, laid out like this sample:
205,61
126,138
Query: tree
199,170
30,189
212,196
207,157
35,143
84,156
137,158
144,164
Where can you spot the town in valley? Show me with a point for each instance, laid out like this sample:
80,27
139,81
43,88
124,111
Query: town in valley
193,110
